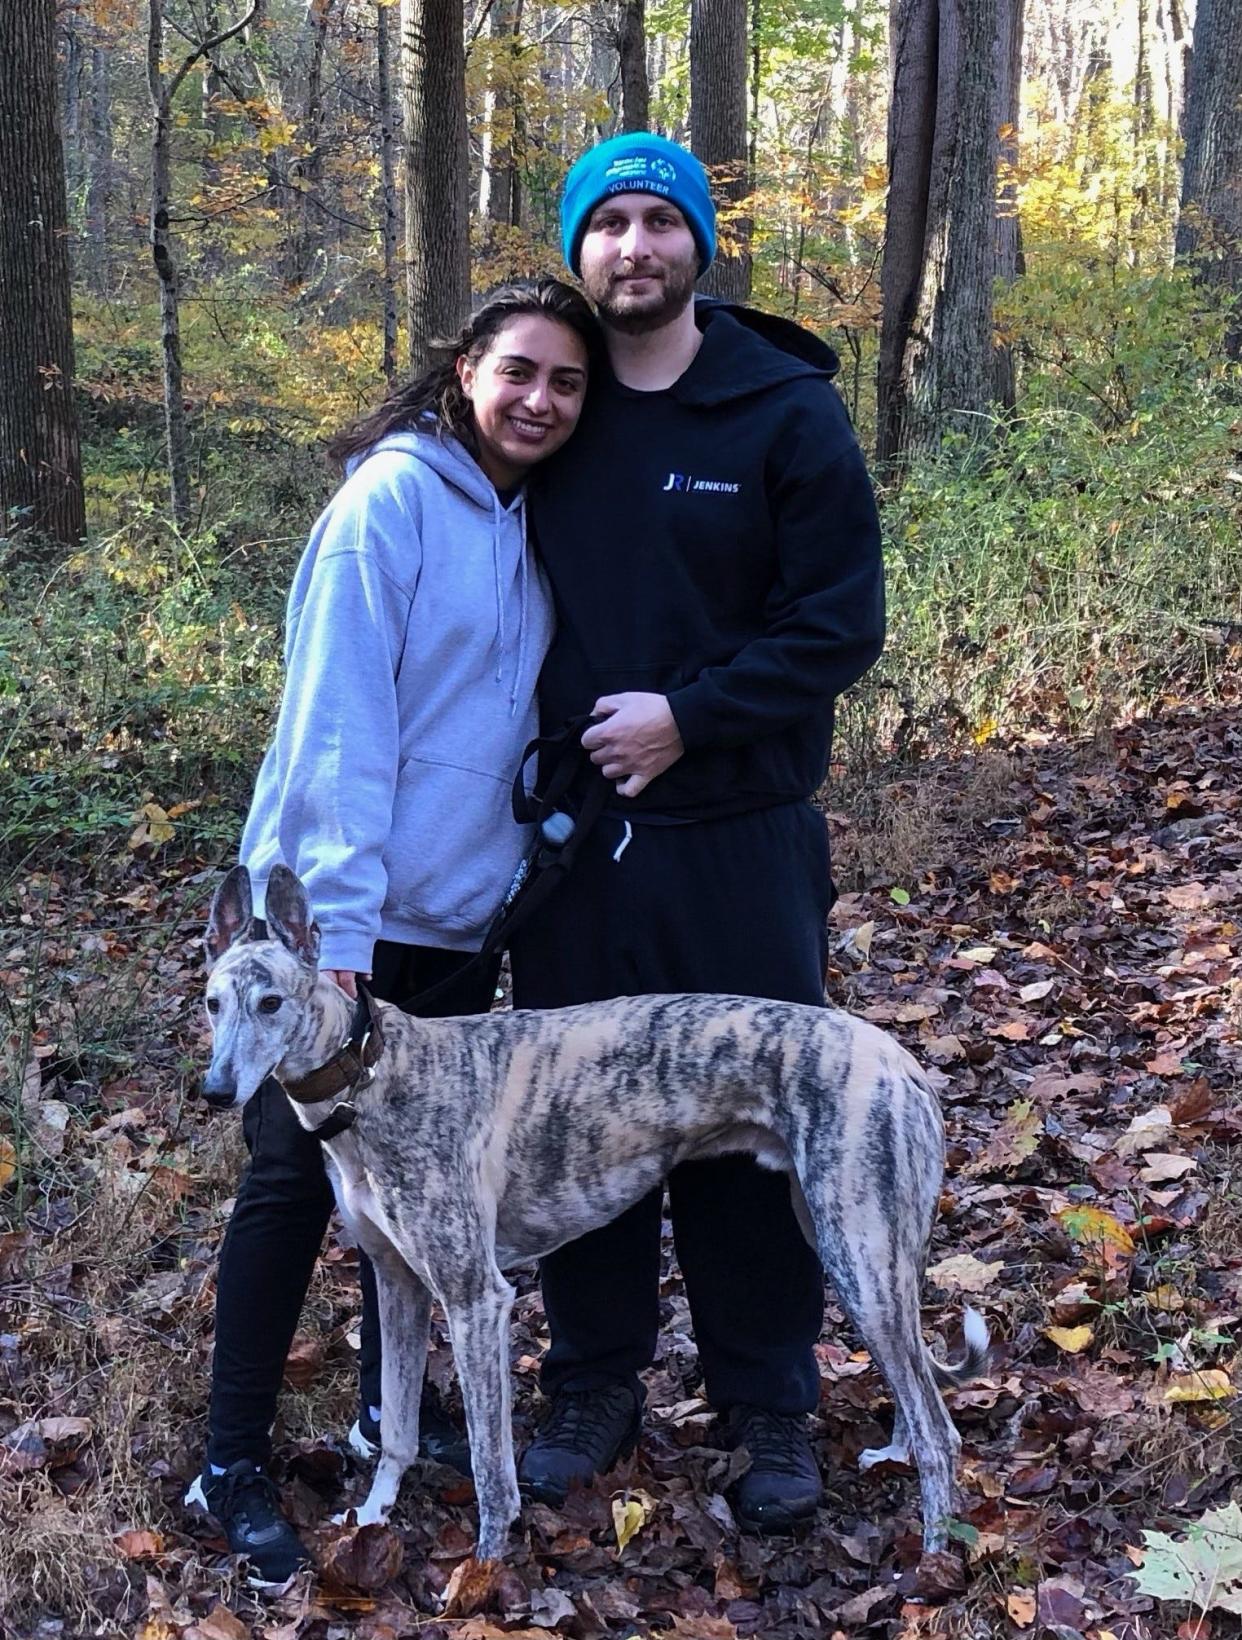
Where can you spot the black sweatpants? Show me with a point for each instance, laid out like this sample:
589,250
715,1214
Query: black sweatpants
278,1224
736,905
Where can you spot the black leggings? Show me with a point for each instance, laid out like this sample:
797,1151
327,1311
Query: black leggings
278,1224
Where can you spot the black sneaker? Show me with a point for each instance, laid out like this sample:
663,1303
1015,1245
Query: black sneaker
439,1438
245,1502
781,1490
584,1435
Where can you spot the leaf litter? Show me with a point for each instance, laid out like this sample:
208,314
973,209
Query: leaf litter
1072,981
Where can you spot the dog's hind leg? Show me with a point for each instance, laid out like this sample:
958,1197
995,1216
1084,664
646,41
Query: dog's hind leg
405,1322
872,1251
479,1329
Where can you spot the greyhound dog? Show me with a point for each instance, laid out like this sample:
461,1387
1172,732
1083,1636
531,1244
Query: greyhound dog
466,1145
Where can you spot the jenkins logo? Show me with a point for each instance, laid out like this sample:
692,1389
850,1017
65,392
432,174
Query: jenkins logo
686,482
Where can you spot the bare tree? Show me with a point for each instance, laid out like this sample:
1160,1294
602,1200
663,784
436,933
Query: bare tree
500,176
632,47
436,174
309,168
936,335
388,182
1006,117
718,135
163,88
40,462
99,167
1210,228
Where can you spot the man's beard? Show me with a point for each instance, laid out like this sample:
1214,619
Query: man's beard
635,316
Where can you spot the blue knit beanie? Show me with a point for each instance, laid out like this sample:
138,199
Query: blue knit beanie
638,162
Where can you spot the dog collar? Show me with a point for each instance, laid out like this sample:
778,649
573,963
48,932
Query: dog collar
351,1067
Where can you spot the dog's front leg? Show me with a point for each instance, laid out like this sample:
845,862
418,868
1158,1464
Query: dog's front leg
479,1329
405,1322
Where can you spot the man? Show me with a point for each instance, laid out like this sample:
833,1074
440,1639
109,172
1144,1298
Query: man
713,546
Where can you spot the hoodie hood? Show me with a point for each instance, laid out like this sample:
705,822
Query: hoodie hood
443,453
746,352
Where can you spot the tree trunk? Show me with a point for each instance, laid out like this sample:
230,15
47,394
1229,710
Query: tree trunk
913,36
718,50
162,91
632,46
177,438
500,188
309,168
99,171
73,143
388,187
1008,227
936,359
40,461
436,174
1209,231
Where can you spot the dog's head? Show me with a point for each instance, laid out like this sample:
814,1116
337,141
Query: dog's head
258,986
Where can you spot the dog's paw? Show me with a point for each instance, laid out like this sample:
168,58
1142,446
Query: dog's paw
883,1454
372,1514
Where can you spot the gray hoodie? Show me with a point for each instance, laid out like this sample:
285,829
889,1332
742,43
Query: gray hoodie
417,623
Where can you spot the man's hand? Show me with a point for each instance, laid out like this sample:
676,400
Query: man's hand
346,979
637,741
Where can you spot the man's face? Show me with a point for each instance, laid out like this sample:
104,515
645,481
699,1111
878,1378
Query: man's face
639,262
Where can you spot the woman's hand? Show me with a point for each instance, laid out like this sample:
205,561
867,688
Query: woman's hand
346,979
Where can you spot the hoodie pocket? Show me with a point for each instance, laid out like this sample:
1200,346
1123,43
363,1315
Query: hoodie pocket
454,846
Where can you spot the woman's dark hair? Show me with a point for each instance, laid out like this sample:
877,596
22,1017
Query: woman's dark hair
438,392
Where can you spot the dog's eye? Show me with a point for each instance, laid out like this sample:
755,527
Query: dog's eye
269,1005
213,1005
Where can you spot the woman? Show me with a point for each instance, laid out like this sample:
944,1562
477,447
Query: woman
416,627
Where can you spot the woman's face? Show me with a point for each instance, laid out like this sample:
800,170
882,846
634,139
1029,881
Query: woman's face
526,392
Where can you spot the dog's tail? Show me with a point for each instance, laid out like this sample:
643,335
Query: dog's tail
953,1374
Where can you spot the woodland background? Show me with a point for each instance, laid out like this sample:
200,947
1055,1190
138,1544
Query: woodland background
223,227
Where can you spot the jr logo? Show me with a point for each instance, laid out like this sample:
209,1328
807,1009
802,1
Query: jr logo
687,481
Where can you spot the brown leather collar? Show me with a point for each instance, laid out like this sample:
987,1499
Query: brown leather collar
350,1068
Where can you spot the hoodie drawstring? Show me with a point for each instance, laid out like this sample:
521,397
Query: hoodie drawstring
500,599
523,598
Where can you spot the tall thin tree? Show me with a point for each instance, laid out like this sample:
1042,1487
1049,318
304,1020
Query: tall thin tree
388,182
718,134
40,462
1209,231
1006,117
437,235
162,89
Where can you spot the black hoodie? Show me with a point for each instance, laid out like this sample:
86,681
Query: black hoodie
716,542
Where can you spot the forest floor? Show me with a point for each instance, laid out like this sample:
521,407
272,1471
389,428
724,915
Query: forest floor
1052,926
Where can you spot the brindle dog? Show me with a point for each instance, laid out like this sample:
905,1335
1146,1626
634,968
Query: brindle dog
487,1141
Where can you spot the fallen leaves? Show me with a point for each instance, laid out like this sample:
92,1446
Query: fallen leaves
1080,1022
1203,1569
630,1514
1206,1384
964,1273
362,1557
1073,1340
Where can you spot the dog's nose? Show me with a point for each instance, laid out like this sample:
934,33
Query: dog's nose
218,1091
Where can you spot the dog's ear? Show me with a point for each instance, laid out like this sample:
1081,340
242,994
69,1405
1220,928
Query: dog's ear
232,915
289,918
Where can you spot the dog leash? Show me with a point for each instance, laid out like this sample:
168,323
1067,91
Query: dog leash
563,813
